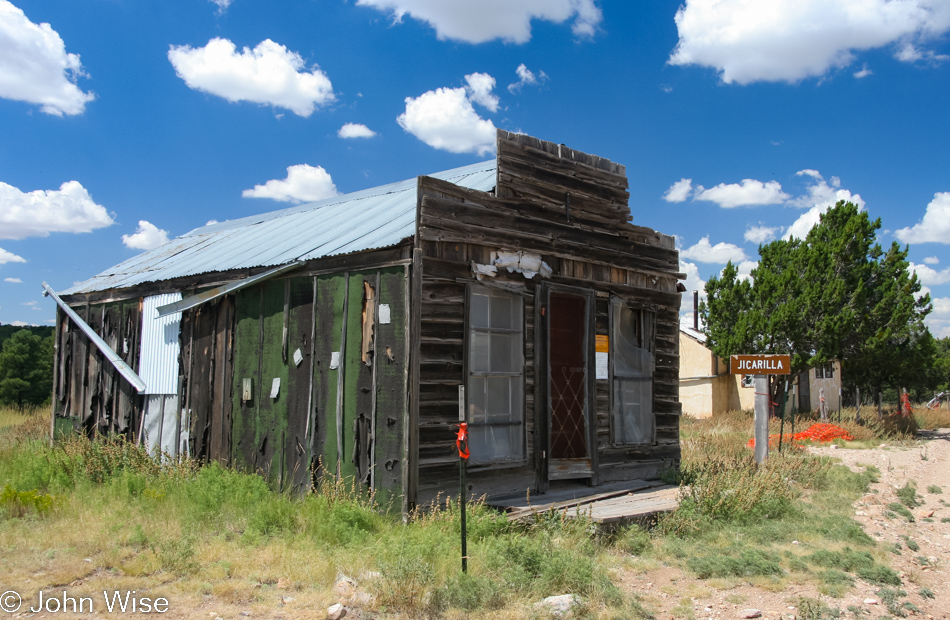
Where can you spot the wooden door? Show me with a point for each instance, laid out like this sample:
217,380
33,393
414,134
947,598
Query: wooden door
569,372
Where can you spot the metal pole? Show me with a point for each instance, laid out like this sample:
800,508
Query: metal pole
462,490
857,405
781,430
762,399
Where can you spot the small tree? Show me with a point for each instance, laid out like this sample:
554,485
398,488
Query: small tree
26,369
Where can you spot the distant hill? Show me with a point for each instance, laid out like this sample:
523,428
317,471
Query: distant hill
8,330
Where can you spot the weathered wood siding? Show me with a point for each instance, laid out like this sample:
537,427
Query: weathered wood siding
88,392
571,209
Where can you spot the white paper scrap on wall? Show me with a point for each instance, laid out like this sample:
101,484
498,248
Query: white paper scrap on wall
385,316
334,360
275,387
298,357
602,368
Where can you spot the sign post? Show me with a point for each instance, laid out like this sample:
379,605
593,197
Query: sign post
461,442
761,366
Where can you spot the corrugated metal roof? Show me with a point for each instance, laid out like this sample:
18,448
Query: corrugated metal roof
686,326
369,219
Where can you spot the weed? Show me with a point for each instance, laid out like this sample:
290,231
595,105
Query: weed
926,593
406,577
860,563
896,548
901,510
177,555
748,563
469,593
891,599
634,540
835,583
807,608
684,609
17,504
933,489
911,544
945,520
907,494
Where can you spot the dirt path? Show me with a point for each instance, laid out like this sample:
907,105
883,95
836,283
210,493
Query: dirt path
672,593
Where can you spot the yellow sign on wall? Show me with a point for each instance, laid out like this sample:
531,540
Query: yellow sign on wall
601,344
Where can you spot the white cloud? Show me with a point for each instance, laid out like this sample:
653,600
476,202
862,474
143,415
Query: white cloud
147,236
10,257
679,191
479,90
909,53
760,234
748,192
19,323
932,260
222,5
445,119
30,303
929,276
355,130
34,65
934,227
745,269
12,280
939,319
820,197
303,184
692,283
269,74
864,72
791,40
526,77
822,194
704,252
478,21
38,213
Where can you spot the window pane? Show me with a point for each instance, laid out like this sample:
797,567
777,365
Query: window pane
633,415
476,399
498,399
501,311
478,313
505,354
494,443
478,347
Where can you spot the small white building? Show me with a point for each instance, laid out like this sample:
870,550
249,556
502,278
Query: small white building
707,388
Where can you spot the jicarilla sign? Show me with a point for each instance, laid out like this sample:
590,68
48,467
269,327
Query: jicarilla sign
760,364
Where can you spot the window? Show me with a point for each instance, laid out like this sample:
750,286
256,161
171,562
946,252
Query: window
631,340
748,381
825,371
495,376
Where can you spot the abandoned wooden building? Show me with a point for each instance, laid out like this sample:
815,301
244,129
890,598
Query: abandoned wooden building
335,336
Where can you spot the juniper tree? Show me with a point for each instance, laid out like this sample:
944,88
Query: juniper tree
837,294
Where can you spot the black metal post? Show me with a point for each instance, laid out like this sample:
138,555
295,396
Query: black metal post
462,495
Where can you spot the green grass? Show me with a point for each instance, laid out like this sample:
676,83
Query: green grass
907,494
221,533
933,489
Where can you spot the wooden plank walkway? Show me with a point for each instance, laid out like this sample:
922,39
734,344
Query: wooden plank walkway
609,503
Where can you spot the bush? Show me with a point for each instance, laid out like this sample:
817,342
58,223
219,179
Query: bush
16,504
747,563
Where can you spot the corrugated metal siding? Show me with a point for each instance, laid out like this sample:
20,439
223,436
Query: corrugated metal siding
364,220
158,364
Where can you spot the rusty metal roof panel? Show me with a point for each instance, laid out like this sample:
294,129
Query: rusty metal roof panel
369,219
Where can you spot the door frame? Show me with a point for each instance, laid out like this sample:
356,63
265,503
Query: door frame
543,382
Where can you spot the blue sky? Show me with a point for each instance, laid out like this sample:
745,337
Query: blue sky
125,122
